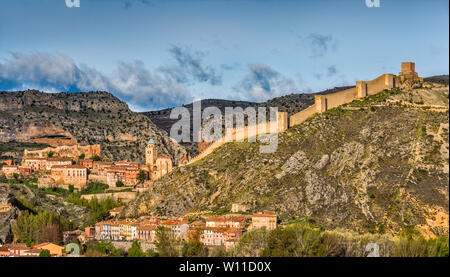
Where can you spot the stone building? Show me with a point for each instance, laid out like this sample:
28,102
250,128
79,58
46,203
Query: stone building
266,220
69,175
58,161
408,77
68,151
157,166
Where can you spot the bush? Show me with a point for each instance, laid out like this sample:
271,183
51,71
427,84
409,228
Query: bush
44,253
119,184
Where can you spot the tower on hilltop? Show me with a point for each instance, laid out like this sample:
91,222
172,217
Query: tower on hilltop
408,77
151,153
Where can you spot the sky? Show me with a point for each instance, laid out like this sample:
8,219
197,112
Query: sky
156,54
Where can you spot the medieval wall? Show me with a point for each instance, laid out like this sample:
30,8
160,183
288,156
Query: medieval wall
246,132
302,116
69,151
329,101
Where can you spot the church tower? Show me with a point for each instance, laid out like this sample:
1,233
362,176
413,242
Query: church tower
150,153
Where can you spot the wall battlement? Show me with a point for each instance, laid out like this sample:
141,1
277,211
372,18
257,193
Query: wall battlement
407,78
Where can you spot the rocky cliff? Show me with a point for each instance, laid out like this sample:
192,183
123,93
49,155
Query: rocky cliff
84,118
376,164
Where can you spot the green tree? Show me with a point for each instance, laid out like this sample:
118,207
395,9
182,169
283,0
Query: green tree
252,243
119,183
165,244
50,154
194,248
136,250
281,243
82,156
44,253
71,188
141,176
96,158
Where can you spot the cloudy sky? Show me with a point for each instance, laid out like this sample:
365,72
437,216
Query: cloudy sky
161,53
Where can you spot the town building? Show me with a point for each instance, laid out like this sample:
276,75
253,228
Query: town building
116,211
127,175
57,161
236,208
69,236
35,163
266,220
146,232
221,236
53,249
226,222
178,227
10,170
7,162
157,166
89,164
69,175
89,233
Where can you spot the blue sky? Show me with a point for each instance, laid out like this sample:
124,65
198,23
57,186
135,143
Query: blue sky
160,53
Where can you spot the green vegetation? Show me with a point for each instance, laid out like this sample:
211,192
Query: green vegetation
94,188
305,240
50,154
81,156
141,176
32,228
98,209
44,254
136,250
194,248
119,184
165,244
96,158
102,249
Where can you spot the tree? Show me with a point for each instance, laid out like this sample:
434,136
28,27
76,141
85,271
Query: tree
252,243
281,243
142,176
194,248
136,250
119,183
71,188
82,156
96,158
52,233
165,244
50,154
44,253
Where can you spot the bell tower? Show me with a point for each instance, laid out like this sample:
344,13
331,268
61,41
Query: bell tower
150,153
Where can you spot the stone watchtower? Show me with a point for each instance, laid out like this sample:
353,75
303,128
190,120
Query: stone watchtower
408,77
151,153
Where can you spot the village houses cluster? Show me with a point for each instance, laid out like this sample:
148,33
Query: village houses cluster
74,165
215,231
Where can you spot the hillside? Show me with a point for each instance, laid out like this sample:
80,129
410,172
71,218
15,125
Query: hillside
22,197
376,164
86,118
291,103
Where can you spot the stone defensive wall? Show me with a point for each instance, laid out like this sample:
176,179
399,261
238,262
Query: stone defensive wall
329,101
69,151
247,132
321,104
